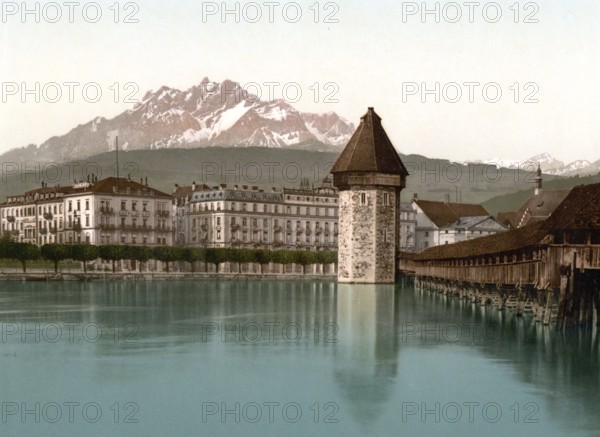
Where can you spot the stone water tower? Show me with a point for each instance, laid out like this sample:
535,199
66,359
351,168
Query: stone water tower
369,176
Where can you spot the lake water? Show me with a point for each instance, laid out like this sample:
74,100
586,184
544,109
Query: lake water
283,358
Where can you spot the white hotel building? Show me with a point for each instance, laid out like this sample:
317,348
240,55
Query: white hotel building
109,211
243,216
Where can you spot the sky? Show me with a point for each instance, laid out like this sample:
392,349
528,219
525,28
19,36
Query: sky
434,78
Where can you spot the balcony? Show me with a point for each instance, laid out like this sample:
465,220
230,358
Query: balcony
107,227
48,216
135,213
123,213
163,213
145,213
10,219
105,210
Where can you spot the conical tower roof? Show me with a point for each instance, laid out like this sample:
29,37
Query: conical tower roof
370,150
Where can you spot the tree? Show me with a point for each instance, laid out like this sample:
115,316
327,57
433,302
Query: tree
24,252
239,256
304,258
283,257
55,253
263,257
192,255
84,253
327,257
111,252
6,242
167,254
216,256
141,254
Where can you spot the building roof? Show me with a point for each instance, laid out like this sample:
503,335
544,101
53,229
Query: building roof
580,210
470,222
370,150
121,186
536,208
445,213
539,206
511,219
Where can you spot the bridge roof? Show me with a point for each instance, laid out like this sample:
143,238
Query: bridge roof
580,210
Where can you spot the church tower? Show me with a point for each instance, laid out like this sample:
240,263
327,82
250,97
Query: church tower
369,176
538,180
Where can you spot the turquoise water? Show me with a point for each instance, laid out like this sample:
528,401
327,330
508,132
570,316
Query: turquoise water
221,358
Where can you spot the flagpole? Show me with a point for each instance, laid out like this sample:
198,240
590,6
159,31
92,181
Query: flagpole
117,153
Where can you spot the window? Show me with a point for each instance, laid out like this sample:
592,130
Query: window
123,205
87,205
218,221
134,206
363,199
386,199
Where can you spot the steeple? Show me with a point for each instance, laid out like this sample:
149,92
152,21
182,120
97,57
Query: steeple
538,180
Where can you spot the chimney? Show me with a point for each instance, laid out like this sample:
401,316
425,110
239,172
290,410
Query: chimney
415,196
146,180
176,188
194,186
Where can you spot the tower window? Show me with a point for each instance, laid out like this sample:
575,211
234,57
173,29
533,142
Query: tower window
363,199
386,199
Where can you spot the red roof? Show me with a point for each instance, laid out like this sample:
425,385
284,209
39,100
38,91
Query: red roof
445,213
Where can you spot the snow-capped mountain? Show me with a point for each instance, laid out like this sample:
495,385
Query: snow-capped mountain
546,161
548,164
208,114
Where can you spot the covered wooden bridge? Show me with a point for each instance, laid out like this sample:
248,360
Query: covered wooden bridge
551,267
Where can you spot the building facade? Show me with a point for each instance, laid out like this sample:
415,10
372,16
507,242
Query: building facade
408,227
467,228
444,222
109,211
243,216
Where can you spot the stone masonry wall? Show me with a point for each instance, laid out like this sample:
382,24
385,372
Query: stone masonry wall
367,239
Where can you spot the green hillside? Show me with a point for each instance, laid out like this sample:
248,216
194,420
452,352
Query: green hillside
512,201
435,179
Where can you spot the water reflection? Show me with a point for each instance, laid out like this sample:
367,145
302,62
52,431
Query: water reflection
365,369
366,363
